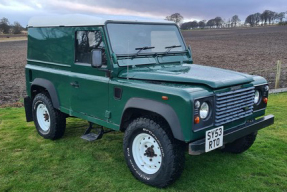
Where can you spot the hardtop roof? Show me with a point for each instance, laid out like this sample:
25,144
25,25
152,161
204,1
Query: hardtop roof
80,20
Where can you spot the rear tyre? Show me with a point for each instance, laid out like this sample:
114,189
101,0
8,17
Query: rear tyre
50,122
152,154
240,145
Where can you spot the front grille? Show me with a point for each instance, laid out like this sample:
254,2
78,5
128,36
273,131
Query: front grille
233,105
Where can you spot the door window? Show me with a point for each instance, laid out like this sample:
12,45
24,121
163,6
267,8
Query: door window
86,41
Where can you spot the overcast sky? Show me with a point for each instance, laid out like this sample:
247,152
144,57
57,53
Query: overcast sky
22,10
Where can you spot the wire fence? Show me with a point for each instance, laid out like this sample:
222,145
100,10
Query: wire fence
276,76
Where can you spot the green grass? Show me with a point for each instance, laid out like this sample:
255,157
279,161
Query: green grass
30,163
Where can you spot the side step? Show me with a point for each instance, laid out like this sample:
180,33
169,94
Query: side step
90,136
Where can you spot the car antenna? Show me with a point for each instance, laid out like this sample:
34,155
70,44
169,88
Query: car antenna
128,60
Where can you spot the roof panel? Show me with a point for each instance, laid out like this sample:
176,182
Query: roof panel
77,20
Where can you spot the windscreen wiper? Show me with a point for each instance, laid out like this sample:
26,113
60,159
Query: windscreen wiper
141,49
171,47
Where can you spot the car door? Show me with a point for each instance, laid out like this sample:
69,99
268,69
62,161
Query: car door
89,85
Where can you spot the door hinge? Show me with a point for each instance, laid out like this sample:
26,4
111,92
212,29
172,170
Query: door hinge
108,114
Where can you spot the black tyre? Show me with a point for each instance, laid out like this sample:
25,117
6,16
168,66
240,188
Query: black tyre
152,154
240,145
50,123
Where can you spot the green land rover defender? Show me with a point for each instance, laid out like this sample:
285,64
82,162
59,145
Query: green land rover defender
138,77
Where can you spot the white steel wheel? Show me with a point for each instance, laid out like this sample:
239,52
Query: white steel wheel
146,153
43,117
50,123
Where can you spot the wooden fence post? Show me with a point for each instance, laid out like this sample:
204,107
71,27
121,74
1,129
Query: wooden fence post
278,73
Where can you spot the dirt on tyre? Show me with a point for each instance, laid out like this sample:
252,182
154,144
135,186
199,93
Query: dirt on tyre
240,145
152,154
50,122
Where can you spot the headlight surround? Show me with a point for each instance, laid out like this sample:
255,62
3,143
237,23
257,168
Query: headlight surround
204,110
266,88
197,104
257,97
259,101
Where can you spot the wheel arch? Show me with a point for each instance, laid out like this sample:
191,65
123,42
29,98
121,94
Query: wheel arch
136,107
39,85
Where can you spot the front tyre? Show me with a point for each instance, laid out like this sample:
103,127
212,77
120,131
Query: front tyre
50,123
152,154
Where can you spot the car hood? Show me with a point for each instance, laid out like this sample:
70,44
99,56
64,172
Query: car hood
186,73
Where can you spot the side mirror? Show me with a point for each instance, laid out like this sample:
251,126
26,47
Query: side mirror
97,58
189,51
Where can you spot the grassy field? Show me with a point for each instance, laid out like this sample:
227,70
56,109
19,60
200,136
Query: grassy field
30,163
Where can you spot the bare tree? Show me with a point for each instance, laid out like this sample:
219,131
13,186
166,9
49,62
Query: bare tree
4,25
271,17
281,16
176,17
194,24
185,26
202,24
250,20
189,25
218,21
210,23
262,19
235,20
257,18
265,16
17,28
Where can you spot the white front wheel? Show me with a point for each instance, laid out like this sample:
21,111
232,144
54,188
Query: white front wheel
152,154
147,153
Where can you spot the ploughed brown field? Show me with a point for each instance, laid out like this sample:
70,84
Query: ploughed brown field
250,50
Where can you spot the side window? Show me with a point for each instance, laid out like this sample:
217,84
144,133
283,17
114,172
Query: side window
86,41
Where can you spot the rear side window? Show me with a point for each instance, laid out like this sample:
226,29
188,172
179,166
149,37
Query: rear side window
86,41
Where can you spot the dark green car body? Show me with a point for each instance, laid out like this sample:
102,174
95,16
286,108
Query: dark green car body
163,84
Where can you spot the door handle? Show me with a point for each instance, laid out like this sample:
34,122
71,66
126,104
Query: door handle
75,84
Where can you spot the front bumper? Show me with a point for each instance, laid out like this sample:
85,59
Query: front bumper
230,135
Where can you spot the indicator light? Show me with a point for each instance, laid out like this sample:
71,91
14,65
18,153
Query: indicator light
164,98
196,120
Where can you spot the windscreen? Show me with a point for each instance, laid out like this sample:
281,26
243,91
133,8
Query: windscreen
126,38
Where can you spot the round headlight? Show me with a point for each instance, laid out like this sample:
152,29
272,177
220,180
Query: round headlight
257,97
204,110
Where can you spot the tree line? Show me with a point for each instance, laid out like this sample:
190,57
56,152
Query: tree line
265,18
7,28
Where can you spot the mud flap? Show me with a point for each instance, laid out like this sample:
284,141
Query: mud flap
28,109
